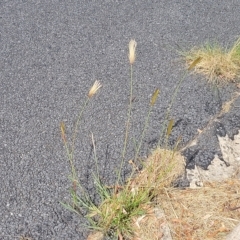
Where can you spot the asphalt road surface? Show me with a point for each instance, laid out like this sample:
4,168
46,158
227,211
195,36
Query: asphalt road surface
53,51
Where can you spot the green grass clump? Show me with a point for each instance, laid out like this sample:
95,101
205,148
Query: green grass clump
115,214
220,65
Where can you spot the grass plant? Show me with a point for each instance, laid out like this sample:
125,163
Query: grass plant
122,205
128,210
220,65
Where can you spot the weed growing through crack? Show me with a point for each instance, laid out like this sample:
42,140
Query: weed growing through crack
220,65
124,204
113,216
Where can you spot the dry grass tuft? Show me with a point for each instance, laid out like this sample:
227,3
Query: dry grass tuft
151,226
205,213
218,64
160,169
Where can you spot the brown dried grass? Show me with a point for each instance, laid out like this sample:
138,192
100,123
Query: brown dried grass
208,213
151,226
218,64
160,169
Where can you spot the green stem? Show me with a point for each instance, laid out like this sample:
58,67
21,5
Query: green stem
143,133
95,156
128,124
170,105
77,124
71,153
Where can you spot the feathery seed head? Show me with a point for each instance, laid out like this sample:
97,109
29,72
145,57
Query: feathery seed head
94,89
132,47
